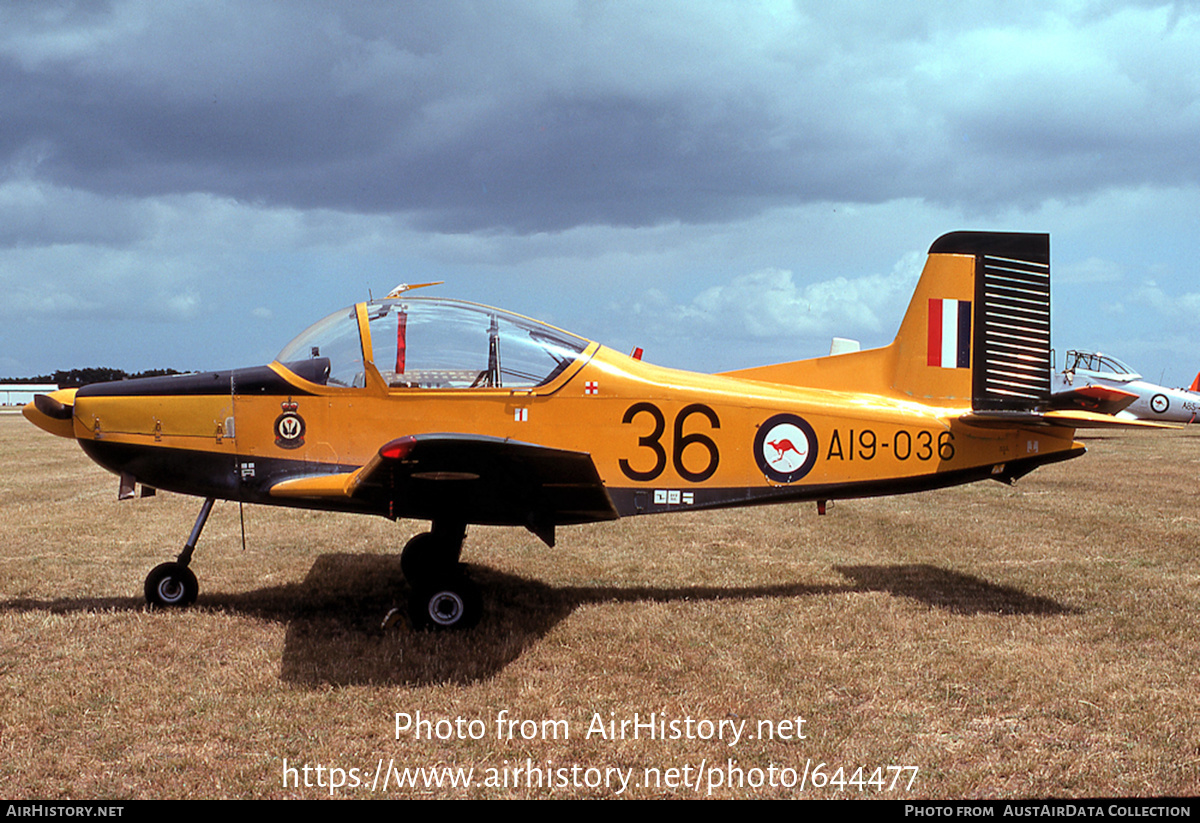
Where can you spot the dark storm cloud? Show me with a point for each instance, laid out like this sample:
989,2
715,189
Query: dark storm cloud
533,117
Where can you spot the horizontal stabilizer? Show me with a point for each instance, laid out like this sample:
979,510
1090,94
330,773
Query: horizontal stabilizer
843,345
1069,419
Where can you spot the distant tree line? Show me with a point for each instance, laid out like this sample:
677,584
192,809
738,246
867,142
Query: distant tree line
74,378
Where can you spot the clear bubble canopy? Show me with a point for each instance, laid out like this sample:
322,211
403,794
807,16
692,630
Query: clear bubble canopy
431,343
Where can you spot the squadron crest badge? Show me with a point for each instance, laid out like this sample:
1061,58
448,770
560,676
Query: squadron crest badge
289,426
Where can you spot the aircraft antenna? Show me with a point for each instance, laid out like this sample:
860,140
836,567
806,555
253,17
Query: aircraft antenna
405,287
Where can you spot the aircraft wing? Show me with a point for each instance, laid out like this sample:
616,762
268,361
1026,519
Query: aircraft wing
471,479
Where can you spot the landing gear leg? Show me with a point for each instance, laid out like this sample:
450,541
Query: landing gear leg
173,584
443,597
433,553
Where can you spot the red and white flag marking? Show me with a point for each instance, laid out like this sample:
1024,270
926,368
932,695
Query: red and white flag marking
949,333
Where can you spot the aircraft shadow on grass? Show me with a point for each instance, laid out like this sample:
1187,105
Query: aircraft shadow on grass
334,634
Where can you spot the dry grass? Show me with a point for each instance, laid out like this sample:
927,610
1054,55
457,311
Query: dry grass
1039,640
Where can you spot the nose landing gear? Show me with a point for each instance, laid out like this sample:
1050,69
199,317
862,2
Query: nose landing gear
173,585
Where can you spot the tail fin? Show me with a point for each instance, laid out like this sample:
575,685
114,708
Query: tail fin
978,327
977,331
1196,383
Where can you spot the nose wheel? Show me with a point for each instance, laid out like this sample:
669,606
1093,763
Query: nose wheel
173,585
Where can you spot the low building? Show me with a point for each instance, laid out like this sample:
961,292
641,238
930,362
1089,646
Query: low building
18,394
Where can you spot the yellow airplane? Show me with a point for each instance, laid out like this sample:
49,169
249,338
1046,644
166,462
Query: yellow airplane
460,414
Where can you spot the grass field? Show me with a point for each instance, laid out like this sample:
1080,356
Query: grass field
1037,640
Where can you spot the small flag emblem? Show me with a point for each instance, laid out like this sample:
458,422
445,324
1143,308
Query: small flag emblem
521,415
949,334
591,387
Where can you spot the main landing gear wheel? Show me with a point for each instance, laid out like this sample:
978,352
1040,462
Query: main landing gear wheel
442,596
451,603
171,585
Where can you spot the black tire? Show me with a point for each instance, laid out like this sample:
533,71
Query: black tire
171,586
426,557
452,604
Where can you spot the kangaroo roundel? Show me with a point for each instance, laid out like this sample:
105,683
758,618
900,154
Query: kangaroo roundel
785,448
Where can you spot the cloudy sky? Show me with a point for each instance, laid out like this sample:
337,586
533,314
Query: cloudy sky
190,184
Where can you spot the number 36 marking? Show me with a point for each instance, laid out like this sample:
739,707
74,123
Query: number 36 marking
680,441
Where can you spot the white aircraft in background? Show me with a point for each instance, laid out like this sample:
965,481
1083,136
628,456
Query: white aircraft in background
1100,383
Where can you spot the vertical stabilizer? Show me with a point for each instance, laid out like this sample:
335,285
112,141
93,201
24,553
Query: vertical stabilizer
978,328
976,334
